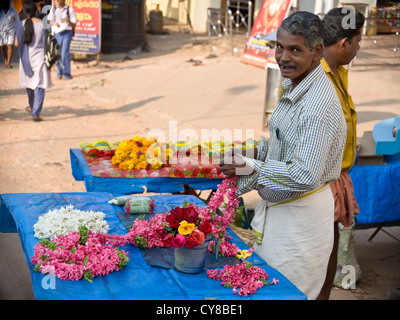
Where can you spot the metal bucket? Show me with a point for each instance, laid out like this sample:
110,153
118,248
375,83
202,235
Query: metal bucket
191,260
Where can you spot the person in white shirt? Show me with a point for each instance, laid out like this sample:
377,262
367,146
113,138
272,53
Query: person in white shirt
63,21
8,16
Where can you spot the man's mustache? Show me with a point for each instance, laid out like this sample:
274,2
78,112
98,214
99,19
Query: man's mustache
282,64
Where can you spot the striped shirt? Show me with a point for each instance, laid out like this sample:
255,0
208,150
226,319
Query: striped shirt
307,138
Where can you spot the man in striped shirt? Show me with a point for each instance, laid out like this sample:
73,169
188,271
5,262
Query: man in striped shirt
293,224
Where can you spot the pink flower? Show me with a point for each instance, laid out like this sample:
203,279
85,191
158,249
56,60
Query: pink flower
178,241
244,278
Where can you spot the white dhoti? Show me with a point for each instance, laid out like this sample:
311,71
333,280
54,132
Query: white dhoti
296,237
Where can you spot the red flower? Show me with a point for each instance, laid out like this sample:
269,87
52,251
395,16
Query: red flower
191,214
191,242
205,227
173,218
167,240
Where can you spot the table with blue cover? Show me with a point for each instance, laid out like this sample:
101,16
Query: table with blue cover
138,280
377,190
82,172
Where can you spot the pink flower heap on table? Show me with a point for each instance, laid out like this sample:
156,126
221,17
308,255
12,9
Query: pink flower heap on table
82,254
244,278
147,233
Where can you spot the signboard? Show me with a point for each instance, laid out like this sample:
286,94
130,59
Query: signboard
88,26
270,17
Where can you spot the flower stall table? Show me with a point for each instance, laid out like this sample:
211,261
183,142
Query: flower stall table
377,189
137,280
99,175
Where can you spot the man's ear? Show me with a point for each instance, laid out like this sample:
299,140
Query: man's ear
342,43
318,50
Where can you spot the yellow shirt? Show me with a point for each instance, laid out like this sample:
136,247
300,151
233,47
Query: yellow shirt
341,85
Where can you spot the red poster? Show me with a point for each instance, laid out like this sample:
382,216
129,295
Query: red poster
88,26
270,17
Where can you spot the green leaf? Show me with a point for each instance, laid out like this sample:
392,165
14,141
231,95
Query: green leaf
37,267
84,232
85,260
87,275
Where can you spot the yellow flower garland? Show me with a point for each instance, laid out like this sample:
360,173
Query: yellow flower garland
132,154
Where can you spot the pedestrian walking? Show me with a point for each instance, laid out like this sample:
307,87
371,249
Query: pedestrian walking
33,73
8,17
62,20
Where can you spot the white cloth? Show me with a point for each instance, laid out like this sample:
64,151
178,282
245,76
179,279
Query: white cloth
57,14
297,238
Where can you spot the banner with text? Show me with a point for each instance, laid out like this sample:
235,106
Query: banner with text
88,26
270,17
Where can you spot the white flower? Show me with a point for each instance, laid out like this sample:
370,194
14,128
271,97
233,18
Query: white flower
67,219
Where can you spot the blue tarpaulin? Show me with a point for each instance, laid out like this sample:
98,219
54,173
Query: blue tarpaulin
138,280
377,191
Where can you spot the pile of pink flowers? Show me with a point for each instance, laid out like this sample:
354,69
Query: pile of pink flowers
84,254
244,278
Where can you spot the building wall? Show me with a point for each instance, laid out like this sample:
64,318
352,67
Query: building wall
176,10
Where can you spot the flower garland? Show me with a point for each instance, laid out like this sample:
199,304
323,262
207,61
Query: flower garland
84,254
243,278
220,223
60,222
136,154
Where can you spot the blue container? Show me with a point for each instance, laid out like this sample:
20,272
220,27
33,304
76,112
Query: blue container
191,260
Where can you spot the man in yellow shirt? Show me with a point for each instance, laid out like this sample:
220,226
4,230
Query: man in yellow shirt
341,43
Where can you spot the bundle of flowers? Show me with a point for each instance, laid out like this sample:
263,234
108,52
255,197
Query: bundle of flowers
59,222
84,254
185,227
191,224
139,205
243,278
137,153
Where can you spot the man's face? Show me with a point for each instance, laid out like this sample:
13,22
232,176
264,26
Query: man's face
351,48
294,58
61,3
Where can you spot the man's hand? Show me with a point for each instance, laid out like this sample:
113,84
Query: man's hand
235,166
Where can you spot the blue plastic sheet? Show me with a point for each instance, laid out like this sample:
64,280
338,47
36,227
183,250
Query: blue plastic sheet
377,191
138,280
81,172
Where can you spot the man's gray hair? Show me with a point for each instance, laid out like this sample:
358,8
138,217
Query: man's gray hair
306,24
